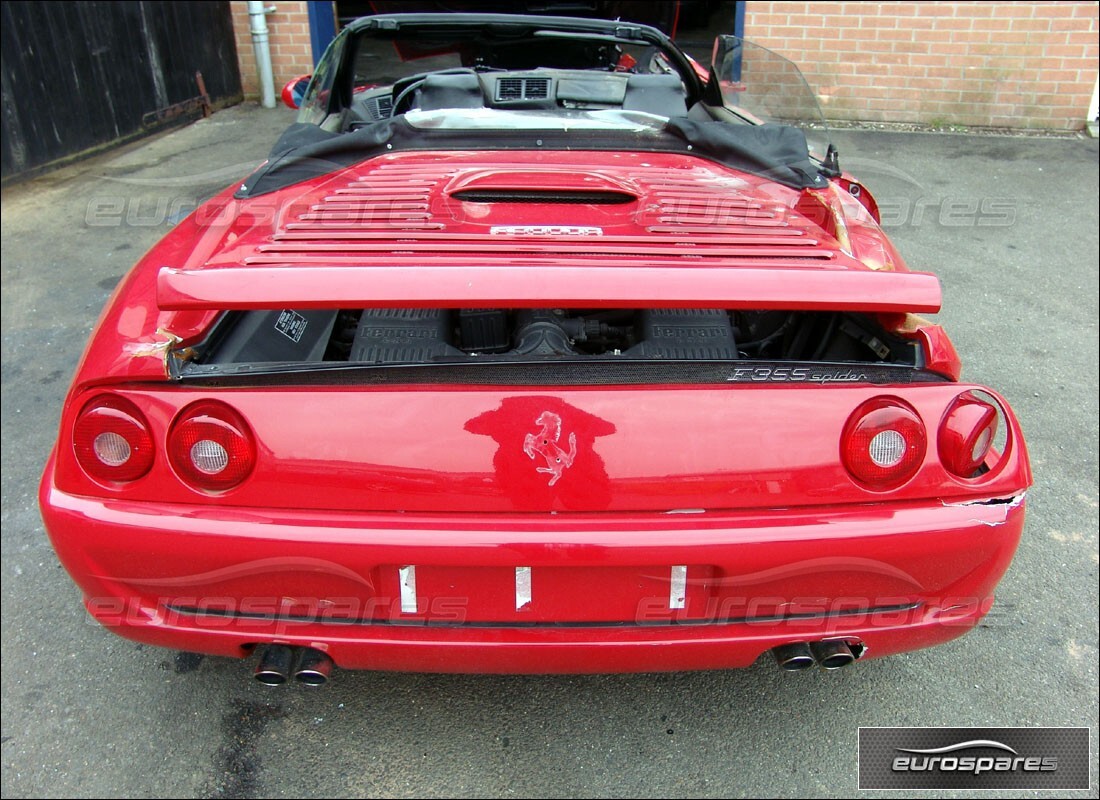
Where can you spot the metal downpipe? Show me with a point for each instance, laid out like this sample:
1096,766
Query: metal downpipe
257,21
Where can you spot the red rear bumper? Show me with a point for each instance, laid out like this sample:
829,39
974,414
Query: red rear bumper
603,594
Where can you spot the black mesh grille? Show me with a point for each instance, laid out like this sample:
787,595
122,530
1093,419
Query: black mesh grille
523,89
510,89
536,88
379,107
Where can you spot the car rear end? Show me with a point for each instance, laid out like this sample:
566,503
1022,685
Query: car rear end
696,527
530,450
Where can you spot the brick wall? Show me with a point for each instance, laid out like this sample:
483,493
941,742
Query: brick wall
288,33
1019,65
1016,64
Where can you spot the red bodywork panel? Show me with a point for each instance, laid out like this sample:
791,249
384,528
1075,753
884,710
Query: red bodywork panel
737,491
569,286
731,237
697,231
651,448
891,576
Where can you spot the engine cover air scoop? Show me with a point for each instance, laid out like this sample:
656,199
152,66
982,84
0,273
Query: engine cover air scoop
541,186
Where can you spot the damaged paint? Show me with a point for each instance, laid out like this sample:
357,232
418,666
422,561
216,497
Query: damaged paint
1008,504
160,350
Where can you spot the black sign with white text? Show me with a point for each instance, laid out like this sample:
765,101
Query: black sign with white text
974,758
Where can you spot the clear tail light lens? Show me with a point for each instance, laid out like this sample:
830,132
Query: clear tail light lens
112,441
966,435
883,443
210,447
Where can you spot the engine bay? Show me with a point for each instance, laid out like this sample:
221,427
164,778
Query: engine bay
420,336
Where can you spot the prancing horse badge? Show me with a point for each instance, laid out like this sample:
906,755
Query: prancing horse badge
545,444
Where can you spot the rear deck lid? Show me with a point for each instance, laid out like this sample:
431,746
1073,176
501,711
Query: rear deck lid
533,230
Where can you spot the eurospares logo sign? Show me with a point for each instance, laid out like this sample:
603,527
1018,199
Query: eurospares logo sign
974,758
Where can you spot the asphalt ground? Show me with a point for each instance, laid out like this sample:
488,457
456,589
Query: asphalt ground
1009,224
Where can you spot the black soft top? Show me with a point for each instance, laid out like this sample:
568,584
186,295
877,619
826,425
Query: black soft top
775,152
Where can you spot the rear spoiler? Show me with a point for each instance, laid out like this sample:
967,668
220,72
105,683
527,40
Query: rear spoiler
589,286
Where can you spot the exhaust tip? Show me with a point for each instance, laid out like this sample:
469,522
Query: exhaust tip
833,653
794,657
314,667
274,666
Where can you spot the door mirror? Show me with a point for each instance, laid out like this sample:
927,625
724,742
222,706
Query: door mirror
295,90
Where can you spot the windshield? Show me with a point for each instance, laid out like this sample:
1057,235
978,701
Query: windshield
383,67
378,71
380,61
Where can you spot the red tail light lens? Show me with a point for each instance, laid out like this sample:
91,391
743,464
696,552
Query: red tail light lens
112,440
883,443
210,447
966,435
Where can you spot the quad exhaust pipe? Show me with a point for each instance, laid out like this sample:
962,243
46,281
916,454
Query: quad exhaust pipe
829,654
311,667
314,667
279,662
275,664
833,654
794,657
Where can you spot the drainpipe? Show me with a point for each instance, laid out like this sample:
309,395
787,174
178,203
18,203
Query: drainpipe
1093,119
257,17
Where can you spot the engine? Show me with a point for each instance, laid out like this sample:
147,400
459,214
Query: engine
402,336
390,336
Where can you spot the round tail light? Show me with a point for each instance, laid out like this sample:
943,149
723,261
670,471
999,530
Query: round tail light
112,440
210,447
883,443
966,435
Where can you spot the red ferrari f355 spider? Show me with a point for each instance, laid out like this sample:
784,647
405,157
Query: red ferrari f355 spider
535,346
